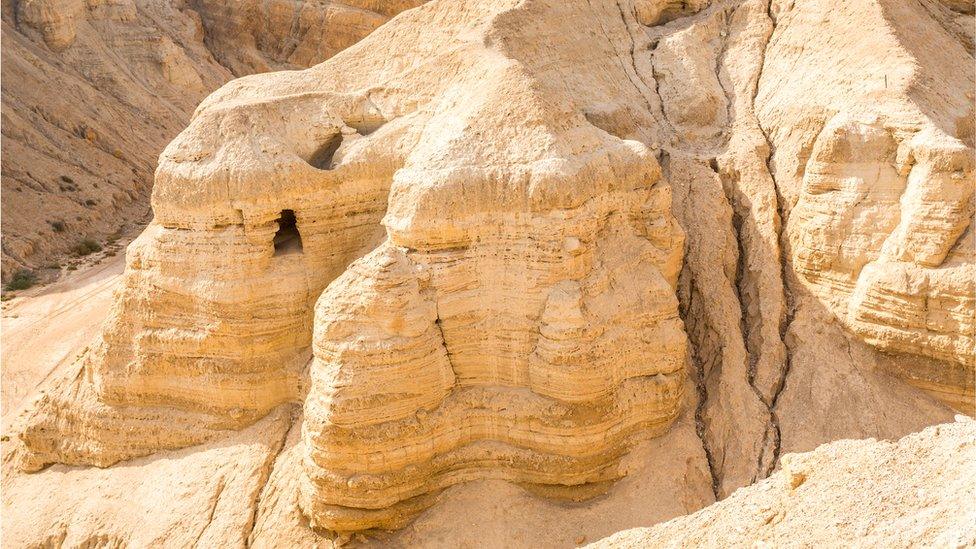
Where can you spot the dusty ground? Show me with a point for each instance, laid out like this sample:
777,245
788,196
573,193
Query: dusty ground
849,493
46,328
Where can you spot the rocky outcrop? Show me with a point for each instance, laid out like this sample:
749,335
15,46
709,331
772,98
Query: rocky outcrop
78,163
855,493
528,332
493,240
881,185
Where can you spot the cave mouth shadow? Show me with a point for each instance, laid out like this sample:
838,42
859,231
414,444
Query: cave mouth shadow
287,240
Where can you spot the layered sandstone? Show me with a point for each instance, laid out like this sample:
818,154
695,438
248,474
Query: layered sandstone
528,331
493,240
883,204
94,89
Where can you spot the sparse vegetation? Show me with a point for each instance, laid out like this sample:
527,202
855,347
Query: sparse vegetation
22,279
58,226
91,202
86,247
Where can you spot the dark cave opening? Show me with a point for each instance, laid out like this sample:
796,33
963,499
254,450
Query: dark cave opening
287,240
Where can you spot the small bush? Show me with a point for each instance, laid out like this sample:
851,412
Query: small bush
90,202
67,179
58,226
21,280
86,246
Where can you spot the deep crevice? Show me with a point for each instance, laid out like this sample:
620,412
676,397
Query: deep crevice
788,300
702,390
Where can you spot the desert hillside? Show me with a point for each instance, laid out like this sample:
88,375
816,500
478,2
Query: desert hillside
94,89
846,493
527,273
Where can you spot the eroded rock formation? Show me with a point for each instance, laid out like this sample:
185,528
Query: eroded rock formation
94,89
494,239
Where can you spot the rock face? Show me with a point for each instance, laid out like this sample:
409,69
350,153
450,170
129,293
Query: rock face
505,240
853,493
881,229
526,332
78,162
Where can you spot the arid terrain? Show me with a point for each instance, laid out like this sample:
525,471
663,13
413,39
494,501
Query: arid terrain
492,273
94,89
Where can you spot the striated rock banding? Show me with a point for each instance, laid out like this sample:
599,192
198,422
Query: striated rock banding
454,242
120,79
515,319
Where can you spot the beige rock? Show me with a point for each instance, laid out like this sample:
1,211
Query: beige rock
851,493
880,182
487,243
94,89
466,322
202,495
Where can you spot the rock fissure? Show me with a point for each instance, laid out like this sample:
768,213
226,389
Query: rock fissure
215,501
702,398
516,199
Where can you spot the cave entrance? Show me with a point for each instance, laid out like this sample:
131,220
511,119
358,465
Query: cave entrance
324,157
287,240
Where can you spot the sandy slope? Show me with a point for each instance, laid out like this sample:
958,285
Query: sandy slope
47,328
913,492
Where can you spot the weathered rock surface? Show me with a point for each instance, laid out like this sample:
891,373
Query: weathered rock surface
94,89
527,332
502,241
853,493
881,179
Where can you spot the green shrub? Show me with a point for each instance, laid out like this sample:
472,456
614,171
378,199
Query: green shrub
58,226
21,280
86,246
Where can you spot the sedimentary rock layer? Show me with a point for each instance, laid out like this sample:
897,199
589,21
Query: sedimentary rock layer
94,89
490,240
516,319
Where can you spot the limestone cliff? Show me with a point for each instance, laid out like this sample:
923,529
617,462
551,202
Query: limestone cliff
94,89
516,240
